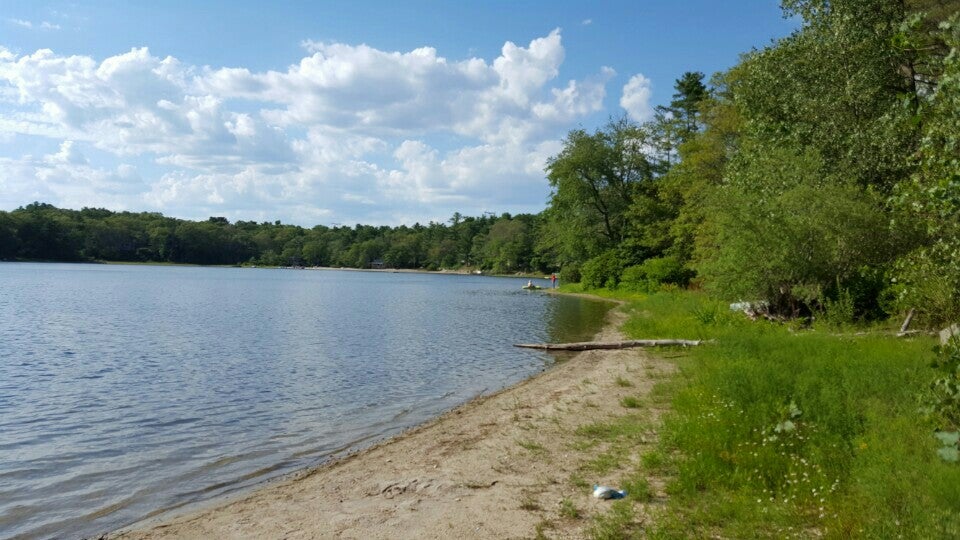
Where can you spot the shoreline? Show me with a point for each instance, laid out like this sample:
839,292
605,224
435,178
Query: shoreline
449,272
490,467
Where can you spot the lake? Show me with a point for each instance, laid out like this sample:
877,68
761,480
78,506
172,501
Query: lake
128,391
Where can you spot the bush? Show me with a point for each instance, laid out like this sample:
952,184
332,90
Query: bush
602,271
649,276
570,273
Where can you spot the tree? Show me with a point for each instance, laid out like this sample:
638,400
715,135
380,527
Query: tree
9,243
595,178
928,278
783,234
507,247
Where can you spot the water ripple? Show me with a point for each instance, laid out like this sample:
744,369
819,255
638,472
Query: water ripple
125,391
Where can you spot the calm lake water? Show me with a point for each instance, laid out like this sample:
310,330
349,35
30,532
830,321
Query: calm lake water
126,391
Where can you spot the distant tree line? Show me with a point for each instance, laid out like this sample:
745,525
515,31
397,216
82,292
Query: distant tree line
38,231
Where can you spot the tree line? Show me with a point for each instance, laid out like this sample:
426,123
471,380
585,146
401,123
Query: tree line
39,231
818,176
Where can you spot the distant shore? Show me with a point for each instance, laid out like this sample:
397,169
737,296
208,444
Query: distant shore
495,467
455,271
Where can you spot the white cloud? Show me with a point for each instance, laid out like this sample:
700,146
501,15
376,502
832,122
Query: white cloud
586,22
577,99
44,25
67,178
67,155
389,134
636,98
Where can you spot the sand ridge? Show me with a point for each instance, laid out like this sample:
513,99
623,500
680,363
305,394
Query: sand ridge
496,467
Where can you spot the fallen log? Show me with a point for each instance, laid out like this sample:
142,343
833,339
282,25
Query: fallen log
592,345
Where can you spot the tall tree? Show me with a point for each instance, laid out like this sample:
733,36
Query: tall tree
595,179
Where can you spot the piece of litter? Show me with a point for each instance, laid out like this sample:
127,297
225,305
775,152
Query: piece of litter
606,492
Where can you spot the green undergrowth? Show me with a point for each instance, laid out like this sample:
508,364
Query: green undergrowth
775,432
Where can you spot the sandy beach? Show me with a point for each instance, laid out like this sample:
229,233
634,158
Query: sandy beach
496,467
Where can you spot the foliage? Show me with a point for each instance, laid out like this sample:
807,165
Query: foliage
942,402
595,178
791,238
929,277
839,311
835,88
43,232
571,273
653,272
602,271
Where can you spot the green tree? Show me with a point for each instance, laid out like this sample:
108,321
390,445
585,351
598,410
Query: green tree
595,179
9,243
929,276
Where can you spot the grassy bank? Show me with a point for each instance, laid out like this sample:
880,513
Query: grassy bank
789,433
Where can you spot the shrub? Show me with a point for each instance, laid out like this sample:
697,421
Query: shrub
654,272
602,271
570,273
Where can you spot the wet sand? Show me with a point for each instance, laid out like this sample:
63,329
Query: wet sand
496,467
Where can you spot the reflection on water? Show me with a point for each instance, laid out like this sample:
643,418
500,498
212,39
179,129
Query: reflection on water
573,319
126,390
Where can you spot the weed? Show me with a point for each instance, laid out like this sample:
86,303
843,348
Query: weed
578,481
630,427
623,382
617,523
630,402
540,528
569,510
529,503
531,446
653,459
638,487
583,444
606,461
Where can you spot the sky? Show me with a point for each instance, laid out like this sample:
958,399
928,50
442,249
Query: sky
334,112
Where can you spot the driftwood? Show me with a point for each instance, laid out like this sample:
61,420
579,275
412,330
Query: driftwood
906,323
591,345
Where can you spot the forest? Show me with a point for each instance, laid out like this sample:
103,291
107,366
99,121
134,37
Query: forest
820,175
39,231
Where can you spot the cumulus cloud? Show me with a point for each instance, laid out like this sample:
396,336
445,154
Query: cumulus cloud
393,132
636,98
67,176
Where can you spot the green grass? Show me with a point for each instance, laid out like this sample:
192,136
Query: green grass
629,427
619,522
630,402
569,510
776,432
606,461
579,481
623,383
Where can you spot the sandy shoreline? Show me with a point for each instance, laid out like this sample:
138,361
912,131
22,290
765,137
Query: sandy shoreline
496,467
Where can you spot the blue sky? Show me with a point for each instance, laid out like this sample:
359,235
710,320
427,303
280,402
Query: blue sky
333,112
